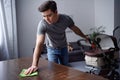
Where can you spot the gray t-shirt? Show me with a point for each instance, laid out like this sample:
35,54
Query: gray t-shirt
55,33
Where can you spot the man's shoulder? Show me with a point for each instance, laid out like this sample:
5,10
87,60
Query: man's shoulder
42,24
42,21
63,15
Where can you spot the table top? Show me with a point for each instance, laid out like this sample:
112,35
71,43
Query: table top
11,69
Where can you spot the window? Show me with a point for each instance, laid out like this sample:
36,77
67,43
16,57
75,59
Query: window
0,33
0,26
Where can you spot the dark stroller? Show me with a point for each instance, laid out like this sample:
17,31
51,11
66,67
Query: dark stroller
104,57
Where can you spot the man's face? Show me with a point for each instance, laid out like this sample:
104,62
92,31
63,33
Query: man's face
49,16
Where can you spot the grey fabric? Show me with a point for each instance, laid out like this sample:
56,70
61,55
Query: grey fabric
55,32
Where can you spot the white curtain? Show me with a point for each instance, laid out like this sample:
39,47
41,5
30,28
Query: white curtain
8,30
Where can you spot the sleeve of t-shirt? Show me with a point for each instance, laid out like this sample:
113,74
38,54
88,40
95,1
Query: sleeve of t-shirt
70,22
41,28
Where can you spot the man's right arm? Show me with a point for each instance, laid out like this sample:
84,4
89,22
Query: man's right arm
37,52
38,49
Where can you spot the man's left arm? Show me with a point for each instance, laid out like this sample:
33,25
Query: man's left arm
78,32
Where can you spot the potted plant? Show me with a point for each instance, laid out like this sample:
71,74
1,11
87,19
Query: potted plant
94,32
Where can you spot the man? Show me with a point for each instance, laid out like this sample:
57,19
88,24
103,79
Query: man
53,26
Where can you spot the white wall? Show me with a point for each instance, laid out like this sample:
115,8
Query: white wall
104,15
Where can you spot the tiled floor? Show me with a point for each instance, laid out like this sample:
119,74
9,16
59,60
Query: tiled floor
81,65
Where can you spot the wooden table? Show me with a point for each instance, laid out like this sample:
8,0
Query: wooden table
10,69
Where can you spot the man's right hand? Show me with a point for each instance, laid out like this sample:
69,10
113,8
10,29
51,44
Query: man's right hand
31,69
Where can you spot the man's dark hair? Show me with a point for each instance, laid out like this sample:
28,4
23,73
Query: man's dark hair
50,4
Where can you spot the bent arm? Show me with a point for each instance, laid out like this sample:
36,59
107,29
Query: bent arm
38,48
78,31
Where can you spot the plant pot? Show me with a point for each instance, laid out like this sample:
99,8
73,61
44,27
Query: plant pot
93,45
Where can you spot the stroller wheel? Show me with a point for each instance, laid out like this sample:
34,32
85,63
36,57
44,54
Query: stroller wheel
114,76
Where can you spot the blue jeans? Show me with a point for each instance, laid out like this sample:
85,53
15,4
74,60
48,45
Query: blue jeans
59,56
